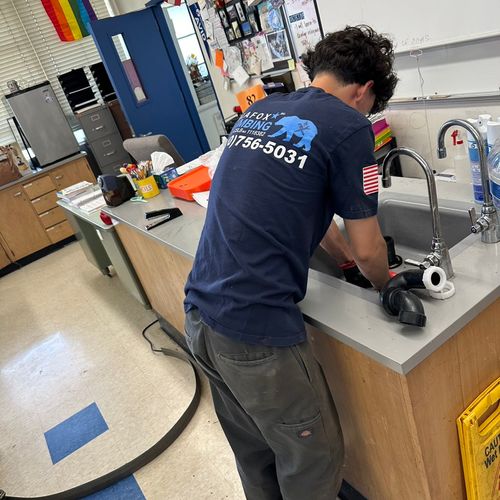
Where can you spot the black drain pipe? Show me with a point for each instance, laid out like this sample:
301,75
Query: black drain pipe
398,301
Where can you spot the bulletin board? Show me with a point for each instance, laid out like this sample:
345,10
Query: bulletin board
261,37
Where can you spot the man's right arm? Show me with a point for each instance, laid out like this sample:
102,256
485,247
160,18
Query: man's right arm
369,249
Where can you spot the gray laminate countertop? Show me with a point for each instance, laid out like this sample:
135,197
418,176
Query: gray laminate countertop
43,171
348,313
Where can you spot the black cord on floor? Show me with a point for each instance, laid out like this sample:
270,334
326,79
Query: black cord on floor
153,348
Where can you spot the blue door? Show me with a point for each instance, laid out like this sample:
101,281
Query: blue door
141,60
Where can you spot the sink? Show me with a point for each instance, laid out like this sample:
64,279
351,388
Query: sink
408,221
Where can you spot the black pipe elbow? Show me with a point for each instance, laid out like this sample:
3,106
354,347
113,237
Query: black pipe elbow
398,301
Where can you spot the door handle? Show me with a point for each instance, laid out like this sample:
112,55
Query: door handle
59,177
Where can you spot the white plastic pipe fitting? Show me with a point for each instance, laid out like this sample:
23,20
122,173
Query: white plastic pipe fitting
434,279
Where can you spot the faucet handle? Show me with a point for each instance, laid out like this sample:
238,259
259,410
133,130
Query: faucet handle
477,225
473,215
422,265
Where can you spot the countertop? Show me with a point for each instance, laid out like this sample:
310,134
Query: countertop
92,217
43,171
348,313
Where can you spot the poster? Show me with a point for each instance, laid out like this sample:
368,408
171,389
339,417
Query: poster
304,24
278,45
270,18
263,52
232,57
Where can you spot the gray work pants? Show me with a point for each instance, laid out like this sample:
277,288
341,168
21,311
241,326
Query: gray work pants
277,413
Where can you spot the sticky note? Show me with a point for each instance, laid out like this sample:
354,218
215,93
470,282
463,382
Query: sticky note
291,64
219,59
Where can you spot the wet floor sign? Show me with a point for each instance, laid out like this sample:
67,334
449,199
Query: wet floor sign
479,434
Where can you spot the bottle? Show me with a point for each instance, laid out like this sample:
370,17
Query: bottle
494,161
460,159
477,185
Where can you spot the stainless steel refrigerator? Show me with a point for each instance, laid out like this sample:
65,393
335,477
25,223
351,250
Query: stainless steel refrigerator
43,122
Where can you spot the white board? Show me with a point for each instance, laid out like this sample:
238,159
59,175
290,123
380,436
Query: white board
416,25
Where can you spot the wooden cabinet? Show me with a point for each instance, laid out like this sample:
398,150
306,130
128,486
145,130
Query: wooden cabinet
60,231
52,217
19,224
72,173
30,219
45,202
38,187
4,258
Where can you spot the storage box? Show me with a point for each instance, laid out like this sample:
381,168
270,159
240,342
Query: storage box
194,181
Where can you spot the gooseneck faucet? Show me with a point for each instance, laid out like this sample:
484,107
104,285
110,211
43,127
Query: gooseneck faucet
439,255
488,224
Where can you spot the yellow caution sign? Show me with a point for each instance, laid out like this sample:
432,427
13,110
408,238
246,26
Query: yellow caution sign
479,434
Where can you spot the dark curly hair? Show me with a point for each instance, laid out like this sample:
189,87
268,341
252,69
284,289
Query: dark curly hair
356,54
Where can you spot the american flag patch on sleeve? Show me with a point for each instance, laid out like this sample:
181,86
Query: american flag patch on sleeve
370,179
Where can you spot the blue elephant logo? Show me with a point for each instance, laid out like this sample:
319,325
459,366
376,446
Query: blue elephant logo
295,126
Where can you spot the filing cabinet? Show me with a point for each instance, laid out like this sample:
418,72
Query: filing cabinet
104,138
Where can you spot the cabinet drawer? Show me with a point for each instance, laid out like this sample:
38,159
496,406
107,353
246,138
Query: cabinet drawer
109,150
98,124
45,202
52,217
39,186
60,231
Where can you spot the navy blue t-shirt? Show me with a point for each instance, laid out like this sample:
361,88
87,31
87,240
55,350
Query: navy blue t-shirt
292,161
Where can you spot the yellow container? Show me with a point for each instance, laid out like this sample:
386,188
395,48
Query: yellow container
479,434
148,187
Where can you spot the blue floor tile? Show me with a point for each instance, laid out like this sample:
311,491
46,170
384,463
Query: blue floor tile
127,489
75,432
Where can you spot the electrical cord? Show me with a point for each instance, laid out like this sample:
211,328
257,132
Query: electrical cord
153,348
149,455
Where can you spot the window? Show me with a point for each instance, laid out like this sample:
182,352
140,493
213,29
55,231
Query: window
32,52
188,41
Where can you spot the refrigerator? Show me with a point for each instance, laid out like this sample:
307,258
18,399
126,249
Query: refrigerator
43,123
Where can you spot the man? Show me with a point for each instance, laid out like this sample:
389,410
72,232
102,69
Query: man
292,161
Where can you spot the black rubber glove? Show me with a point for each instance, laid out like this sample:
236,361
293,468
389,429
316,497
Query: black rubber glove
353,275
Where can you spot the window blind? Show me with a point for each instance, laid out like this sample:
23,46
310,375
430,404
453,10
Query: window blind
31,51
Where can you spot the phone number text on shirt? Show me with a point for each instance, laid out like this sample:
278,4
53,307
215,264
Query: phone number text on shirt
279,151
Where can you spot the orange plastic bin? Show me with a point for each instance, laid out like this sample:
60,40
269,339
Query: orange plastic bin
194,181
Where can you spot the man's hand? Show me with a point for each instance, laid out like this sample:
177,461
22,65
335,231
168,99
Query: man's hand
353,275
369,249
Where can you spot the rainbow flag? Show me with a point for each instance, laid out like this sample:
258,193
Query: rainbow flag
70,17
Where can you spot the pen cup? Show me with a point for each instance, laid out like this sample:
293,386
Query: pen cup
148,187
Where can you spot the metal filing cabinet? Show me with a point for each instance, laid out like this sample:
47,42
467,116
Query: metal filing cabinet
104,138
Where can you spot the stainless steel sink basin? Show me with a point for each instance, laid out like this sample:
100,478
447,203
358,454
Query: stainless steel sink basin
408,221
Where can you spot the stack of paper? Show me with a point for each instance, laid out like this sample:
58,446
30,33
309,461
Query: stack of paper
73,191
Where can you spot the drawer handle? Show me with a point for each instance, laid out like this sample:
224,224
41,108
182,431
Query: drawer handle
18,194
36,201
98,128
59,177
50,229
111,153
28,185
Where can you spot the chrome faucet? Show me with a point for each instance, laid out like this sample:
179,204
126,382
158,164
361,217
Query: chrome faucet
439,255
488,224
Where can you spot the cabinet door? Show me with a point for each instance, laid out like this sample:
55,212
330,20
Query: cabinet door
72,173
20,227
4,258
